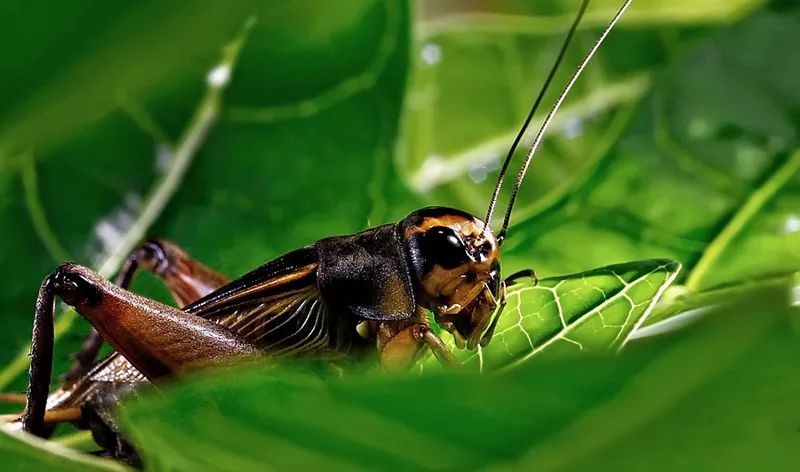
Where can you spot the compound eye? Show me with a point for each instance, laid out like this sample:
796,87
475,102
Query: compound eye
443,247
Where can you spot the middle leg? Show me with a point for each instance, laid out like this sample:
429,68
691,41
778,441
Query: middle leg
401,343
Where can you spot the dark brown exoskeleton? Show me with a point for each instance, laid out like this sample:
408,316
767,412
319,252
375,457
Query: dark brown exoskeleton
339,296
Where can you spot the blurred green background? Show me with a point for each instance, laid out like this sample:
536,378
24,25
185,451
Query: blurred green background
679,142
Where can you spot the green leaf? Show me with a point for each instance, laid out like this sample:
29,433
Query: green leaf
720,394
25,452
592,311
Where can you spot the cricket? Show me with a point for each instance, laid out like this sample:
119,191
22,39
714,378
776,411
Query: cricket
367,293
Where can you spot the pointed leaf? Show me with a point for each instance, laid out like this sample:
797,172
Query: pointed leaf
590,311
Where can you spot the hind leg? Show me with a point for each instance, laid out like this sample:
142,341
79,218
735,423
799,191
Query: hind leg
187,280
157,339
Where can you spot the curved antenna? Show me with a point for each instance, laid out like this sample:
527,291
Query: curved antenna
521,133
549,118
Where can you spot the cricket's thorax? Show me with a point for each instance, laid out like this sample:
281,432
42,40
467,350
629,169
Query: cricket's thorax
366,275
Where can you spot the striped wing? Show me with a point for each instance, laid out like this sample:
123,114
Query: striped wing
282,323
277,307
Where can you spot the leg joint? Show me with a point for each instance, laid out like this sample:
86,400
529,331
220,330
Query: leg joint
73,284
153,255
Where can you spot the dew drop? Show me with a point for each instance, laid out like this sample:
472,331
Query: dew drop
573,127
792,224
219,76
164,158
480,171
431,53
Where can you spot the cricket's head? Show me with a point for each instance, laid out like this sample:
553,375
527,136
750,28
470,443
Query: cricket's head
456,263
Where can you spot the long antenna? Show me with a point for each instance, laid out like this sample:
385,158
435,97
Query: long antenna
549,118
521,133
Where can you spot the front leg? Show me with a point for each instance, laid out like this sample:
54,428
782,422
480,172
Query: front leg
157,339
